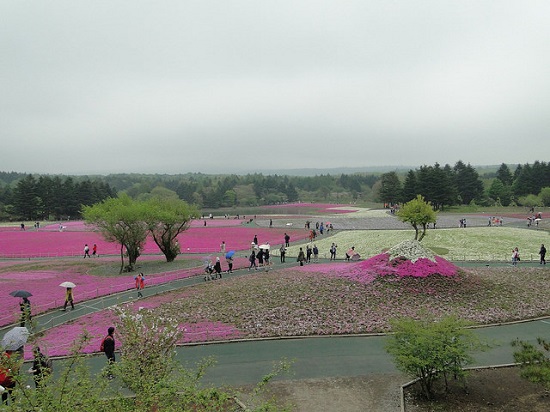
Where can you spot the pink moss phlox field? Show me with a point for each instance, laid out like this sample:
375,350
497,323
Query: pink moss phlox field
423,267
59,340
47,294
199,239
380,265
208,239
324,208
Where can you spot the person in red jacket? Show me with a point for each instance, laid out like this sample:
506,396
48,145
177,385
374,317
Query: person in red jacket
7,373
140,284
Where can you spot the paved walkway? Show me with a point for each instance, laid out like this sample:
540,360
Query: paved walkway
246,362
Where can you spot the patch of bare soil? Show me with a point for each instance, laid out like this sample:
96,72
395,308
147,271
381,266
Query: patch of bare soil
373,393
498,389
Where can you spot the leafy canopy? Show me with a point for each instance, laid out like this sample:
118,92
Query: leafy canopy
428,349
417,212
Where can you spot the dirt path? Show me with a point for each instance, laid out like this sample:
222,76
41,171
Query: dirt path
373,393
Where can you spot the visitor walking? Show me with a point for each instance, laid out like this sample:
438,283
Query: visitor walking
260,257
6,377
333,251
315,254
287,240
94,250
69,298
229,261
266,257
218,268
108,347
252,260
542,254
515,256
140,284
301,257
86,251
41,367
282,252
25,306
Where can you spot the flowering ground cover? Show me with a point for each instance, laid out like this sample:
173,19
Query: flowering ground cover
325,299
476,243
42,279
197,239
208,239
310,208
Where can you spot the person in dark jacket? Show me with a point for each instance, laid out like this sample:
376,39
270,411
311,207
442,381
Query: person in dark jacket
41,367
108,345
25,307
542,254
218,268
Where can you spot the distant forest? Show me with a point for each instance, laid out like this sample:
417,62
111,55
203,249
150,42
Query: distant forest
46,197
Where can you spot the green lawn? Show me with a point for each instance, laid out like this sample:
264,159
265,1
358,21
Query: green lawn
476,243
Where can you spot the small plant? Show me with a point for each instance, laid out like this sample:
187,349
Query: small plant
534,362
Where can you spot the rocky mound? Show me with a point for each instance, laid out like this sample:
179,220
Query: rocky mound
409,258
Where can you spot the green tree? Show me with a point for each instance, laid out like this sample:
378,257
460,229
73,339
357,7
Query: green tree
410,186
417,212
468,183
27,203
534,362
500,193
427,350
119,220
391,189
505,175
166,218
544,196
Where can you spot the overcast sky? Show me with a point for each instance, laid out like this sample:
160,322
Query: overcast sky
182,86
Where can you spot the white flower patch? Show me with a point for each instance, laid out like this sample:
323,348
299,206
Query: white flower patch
411,250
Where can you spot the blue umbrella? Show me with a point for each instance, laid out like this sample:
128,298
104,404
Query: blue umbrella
229,254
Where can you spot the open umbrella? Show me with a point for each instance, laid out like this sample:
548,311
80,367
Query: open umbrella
264,246
15,338
67,285
229,254
357,256
20,294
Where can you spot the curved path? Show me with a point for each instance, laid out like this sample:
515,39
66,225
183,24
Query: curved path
247,362
244,362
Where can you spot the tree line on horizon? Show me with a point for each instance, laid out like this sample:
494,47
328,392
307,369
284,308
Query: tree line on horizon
45,197
527,185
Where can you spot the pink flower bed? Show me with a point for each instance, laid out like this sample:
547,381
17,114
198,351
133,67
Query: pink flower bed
197,239
216,222
59,340
47,294
314,207
423,267
208,239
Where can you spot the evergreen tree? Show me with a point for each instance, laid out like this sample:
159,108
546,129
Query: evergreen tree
26,202
390,188
504,175
410,186
468,183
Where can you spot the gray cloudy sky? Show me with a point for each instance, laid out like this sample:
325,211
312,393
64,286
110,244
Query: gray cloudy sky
229,86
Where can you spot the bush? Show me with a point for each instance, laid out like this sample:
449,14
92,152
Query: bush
428,349
534,364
